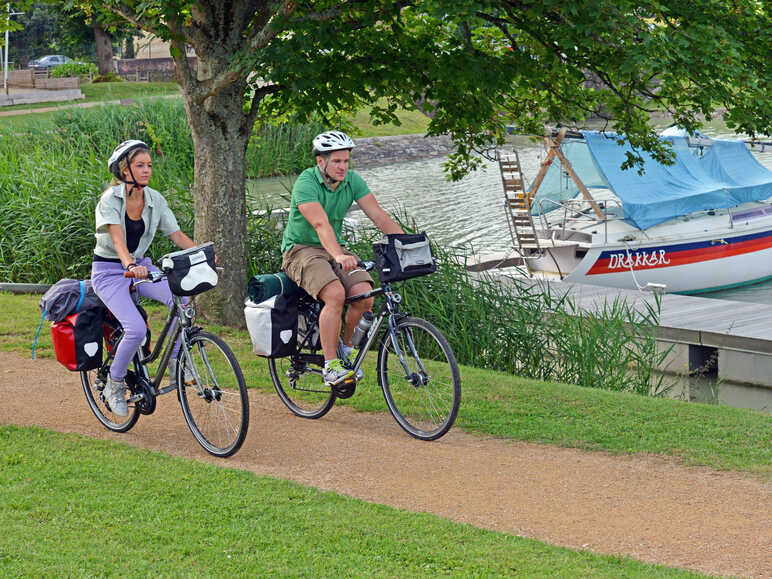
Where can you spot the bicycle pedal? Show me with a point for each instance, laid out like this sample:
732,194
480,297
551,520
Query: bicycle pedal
346,388
136,397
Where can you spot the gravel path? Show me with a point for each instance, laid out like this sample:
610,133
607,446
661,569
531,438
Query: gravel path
649,508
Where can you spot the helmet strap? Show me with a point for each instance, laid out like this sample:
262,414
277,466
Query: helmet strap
327,177
132,182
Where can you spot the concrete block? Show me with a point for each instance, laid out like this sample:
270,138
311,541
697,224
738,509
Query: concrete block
745,367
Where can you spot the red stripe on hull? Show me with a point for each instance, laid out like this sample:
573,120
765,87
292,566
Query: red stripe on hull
662,258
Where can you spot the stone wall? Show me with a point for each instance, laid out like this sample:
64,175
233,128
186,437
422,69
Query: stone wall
66,83
148,69
374,151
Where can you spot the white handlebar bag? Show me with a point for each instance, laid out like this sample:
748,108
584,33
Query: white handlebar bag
190,271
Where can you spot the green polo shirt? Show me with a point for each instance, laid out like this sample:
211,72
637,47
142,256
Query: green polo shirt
310,187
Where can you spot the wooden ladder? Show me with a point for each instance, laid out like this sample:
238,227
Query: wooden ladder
518,207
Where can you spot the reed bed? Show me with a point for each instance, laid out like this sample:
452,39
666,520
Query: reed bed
282,149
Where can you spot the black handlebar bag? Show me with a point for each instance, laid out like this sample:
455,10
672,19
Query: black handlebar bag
190,271
400,256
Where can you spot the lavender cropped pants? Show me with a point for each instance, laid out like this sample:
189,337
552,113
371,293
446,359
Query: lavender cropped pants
113,289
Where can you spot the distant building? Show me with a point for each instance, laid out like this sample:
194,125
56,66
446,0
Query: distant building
150,46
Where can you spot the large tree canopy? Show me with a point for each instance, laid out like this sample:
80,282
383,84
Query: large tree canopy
477,65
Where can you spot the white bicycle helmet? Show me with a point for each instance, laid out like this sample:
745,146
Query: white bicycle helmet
126,147
332,141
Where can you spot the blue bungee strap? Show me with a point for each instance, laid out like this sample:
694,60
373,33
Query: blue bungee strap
82,295
40,325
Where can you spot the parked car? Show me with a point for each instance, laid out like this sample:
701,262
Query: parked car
48,61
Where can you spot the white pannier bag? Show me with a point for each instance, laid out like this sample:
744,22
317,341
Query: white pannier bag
273,325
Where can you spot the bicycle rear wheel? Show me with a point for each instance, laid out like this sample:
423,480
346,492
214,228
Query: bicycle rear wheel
298,382
93,382
425,393
214,398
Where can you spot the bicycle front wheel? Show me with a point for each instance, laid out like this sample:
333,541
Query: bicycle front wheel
213,395
93,382
419,378
298,382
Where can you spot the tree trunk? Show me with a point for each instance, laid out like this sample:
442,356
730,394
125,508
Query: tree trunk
129,51
104,48
220,138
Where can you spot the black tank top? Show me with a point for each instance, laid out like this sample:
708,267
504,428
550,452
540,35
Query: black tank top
134,231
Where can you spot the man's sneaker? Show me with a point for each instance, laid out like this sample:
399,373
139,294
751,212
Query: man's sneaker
334,372
350,359
115,394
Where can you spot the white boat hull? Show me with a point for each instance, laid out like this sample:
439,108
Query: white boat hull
699,263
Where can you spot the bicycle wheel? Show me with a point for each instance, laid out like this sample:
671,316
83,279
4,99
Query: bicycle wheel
93,382
424,395
213,395
298,382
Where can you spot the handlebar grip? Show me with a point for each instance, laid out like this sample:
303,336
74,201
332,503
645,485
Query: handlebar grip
128,274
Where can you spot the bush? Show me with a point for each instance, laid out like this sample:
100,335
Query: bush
109,77
73,69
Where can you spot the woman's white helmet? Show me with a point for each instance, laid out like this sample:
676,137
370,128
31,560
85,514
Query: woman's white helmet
126,147
332,141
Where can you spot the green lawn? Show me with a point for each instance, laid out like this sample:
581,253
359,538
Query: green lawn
505,406
78,507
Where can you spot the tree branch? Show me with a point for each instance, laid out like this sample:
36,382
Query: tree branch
134,18
260,94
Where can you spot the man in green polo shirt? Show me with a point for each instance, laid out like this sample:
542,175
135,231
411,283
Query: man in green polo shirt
314,254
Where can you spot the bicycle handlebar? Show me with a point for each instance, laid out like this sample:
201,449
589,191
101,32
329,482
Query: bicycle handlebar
366,265
152,276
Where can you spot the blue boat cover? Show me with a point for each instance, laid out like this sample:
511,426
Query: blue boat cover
725,176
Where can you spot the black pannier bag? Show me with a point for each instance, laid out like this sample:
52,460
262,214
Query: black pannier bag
400,256
190,271
273,325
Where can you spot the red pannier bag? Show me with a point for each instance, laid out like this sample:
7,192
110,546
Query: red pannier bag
78,340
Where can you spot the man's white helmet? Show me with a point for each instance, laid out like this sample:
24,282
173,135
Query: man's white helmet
332,141
120,152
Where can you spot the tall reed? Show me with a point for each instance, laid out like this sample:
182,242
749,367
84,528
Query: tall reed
281,149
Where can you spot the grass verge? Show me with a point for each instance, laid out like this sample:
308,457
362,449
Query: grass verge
510,407
92,517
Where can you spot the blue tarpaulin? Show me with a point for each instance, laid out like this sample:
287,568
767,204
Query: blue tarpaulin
725,176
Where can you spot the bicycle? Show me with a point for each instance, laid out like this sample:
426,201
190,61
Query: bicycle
210,385
416,368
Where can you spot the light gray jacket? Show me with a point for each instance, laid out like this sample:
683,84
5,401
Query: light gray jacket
111,210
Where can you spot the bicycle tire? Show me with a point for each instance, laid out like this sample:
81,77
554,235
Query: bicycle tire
298,382
424,402
217,409
93,382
